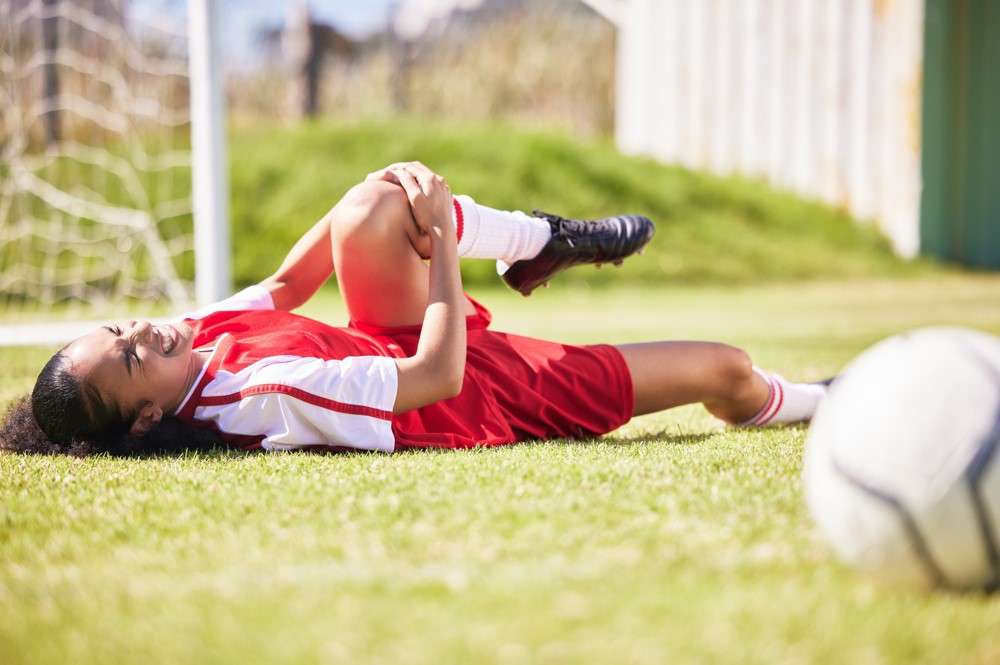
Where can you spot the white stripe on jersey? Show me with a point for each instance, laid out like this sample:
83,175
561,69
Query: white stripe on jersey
296,401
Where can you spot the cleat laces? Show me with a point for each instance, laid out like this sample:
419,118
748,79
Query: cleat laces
569,230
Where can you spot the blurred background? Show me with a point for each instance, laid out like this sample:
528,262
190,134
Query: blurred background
772,140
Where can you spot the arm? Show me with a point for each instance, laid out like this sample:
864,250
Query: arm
306,267
436,370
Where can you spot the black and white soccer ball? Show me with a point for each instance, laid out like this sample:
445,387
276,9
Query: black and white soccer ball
902,467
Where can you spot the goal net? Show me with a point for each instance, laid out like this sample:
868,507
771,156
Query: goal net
95,162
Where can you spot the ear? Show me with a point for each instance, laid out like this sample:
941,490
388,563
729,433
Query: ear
149,416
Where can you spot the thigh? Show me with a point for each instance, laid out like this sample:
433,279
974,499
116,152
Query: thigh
376,254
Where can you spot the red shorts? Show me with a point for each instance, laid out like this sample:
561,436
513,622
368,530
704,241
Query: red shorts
516,388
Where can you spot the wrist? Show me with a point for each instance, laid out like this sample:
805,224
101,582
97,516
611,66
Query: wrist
443,233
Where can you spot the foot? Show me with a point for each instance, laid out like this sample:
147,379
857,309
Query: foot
573,241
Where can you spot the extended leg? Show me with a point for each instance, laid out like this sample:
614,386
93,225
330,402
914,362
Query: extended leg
669,374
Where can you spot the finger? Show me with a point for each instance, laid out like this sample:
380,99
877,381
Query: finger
383,175
427,180
413,193
418,176
386,170
418,168
409,183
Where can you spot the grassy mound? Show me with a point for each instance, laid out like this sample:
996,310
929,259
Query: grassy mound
710,229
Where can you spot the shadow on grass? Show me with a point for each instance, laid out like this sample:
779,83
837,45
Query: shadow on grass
663,436
671,438
220,453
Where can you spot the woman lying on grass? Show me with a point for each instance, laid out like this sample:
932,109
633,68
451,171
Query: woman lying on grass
417,366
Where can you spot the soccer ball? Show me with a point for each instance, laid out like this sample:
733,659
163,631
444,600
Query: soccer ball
902,467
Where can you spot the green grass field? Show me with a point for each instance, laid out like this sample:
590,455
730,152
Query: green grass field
670,541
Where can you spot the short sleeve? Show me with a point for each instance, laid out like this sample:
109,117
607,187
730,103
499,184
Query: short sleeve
254,297
295,402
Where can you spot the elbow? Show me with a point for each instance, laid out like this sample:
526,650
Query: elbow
422,383
453,386
450,381
283,293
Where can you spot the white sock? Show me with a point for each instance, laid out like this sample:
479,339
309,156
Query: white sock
787,402
486,233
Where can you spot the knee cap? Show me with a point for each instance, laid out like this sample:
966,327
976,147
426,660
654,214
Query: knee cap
734,364
369,208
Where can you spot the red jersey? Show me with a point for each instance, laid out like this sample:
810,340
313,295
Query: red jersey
279,381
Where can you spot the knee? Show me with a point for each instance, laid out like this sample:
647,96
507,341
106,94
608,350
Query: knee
374,196
370,210
732,367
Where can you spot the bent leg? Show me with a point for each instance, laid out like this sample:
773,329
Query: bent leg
669,374
378,256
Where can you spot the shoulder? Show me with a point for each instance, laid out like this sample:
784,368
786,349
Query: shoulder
252,298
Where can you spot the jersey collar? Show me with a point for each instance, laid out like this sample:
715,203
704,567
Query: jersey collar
187,406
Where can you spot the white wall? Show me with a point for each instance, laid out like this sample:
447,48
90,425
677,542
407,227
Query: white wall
818,96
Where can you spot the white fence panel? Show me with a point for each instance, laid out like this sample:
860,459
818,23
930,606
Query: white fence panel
818,96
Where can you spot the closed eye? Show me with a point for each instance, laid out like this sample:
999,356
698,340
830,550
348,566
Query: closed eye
127,352
131,350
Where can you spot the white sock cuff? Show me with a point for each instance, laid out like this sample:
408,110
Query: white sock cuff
487,233
775,400
787,402
466,218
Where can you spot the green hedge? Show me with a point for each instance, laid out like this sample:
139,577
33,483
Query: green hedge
710,229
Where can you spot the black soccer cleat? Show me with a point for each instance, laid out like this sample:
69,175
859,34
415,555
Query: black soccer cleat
575,241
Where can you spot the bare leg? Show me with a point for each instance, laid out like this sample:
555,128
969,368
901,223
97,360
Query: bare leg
378,255
669,374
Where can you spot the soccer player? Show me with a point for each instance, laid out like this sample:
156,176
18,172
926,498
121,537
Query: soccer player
417,366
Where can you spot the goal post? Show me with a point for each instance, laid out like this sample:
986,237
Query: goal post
209,181
113,169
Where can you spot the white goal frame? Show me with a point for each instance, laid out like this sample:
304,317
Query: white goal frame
209,180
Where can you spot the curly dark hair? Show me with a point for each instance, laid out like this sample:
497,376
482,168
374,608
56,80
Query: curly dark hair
66,415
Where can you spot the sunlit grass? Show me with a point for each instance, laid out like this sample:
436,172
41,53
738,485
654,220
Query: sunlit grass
670,541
